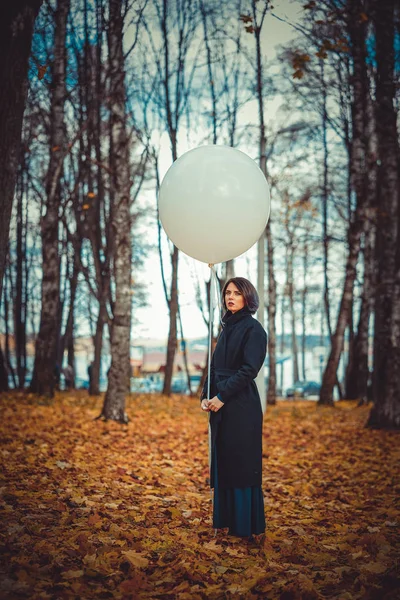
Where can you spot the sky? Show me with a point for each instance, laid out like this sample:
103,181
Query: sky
152,321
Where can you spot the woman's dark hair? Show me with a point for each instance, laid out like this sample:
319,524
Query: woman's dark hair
248,290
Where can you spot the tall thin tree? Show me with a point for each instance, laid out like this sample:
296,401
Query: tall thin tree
43,378
386,377
257,21
17,20
119,373
357,32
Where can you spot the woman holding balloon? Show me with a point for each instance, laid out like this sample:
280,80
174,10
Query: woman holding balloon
214,204
235,414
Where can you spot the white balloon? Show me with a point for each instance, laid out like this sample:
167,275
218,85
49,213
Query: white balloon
214,203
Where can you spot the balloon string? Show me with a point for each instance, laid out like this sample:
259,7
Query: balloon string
210,329
210,326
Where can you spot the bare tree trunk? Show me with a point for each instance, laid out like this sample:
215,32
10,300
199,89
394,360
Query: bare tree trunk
282,345
71,353
325,198
185,354
119,373
386,377
351,362
229,269
67,340
3,373
349,367
102,253
172,125
290,286
6,298
360,90
304,311
170,299
94,384
271,392
20,300
330,374
172,334
43,379
17,20
359,376
177,21
361,342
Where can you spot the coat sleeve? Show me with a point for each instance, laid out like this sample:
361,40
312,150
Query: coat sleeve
254,352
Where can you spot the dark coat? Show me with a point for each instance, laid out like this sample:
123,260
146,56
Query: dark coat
236,429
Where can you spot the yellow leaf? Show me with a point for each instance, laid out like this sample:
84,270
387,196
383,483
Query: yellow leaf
136,559
237,588
213,546
221,570
233,552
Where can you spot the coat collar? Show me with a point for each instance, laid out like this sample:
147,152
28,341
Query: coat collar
230,319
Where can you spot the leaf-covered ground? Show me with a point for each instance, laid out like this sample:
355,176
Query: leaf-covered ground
99,510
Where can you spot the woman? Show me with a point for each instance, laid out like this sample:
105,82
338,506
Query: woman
236,414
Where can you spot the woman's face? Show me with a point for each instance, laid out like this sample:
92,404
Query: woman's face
233,298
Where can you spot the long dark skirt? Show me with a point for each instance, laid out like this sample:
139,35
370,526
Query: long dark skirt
240,509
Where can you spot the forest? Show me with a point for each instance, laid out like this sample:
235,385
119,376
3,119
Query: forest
102,83
105,494
91,91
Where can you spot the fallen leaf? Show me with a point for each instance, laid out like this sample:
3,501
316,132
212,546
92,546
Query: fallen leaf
72,574
136,559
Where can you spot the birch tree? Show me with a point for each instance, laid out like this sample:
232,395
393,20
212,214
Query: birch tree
119,373
43,380
358,382
254,25
356,26
170,36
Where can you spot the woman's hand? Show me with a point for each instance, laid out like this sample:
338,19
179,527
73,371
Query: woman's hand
204,405
215,404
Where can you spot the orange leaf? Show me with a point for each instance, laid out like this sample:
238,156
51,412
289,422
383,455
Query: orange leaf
42,71
246,18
